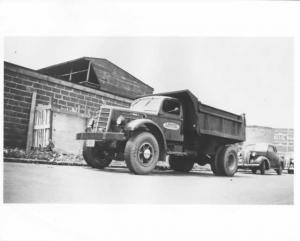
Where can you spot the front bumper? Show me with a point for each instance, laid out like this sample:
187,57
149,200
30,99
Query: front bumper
101,136
241,165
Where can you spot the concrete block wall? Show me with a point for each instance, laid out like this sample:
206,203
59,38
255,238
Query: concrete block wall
19,84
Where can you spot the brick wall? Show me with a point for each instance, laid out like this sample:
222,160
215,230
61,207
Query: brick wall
20,82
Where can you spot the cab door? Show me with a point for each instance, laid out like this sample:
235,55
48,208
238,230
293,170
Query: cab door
171,120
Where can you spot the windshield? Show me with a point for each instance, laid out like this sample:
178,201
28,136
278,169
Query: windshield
257,147
151,104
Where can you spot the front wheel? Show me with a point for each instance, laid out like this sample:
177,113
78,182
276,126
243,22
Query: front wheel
262,168
95,157
141,153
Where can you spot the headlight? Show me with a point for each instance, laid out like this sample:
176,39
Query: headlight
253,154
120,120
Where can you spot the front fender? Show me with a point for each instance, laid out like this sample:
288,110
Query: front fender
152,127
260,159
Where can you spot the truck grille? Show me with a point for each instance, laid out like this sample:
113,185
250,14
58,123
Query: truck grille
103,119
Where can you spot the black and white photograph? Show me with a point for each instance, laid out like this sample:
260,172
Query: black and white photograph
147,118
157,126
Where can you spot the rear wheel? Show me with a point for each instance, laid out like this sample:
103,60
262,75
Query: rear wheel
228,161
181,164
215,165
141,153
95,157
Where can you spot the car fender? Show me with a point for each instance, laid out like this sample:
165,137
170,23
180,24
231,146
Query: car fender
260,159
152,127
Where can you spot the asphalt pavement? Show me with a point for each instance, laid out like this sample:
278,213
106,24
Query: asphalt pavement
40,183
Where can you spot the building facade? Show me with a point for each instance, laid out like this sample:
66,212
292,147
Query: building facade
69,101
282,138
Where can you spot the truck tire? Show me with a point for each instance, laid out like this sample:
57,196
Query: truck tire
215,164
141,153
228,161
95,157
181,164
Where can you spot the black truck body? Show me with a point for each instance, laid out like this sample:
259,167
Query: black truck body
176,124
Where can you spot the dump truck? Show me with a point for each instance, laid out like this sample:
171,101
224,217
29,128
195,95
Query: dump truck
174,124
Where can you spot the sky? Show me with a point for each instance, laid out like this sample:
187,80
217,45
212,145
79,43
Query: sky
251,75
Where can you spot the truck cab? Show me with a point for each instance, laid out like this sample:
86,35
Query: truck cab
174,124
166,112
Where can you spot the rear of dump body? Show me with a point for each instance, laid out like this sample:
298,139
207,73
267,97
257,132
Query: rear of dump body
207,120
216,122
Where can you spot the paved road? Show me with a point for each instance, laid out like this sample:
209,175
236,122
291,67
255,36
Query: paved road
38,183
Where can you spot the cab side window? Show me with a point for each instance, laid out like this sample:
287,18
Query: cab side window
171,107
271,149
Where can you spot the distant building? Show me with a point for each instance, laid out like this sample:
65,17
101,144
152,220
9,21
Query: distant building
282,138
284,141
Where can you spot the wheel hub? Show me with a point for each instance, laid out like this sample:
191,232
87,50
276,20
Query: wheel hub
147,154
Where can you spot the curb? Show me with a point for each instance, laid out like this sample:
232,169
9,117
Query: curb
35,161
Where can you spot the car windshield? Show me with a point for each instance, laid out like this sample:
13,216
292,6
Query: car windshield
257,147
150,104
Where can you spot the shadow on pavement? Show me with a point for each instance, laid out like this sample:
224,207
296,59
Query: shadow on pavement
165,173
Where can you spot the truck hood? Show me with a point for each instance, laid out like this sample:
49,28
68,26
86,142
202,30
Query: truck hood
124,109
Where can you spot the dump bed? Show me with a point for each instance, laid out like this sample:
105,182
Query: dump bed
216,122
207,120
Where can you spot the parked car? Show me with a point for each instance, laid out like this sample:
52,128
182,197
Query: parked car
261,156
176,124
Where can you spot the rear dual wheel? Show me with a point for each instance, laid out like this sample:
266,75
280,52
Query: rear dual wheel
225,162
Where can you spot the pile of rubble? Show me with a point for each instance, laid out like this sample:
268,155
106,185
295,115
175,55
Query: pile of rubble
51,156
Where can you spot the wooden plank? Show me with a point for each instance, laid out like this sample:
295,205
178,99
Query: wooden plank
43,107
88,73
31,123
42,126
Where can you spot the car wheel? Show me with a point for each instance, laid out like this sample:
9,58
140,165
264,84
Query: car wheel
262,168
95,157
279,170
141,153
181,164
254,170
